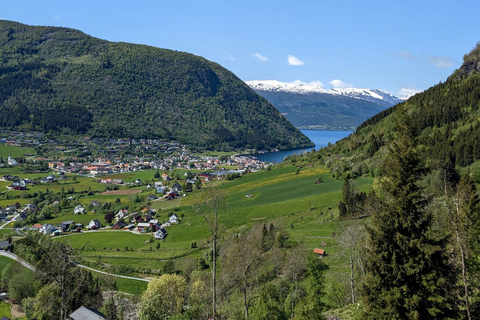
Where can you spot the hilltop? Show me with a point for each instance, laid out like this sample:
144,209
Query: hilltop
308,106
60,80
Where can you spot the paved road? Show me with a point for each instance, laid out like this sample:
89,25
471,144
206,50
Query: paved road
15,257
29,266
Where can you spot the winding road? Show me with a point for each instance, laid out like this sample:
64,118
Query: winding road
29,266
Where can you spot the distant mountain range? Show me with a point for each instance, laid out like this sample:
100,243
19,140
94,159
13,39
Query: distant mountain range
309,106
62,81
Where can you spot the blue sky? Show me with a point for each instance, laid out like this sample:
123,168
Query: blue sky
396,46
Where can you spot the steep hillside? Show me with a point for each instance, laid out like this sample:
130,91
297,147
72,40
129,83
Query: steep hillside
308,106
62,80
445,119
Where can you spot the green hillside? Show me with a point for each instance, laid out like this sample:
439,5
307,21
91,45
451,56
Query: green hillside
445,120
63,81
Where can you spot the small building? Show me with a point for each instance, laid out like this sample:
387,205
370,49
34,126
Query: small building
84,313
142,226
321,253
47,229
160,234
66,225
94,224
173,218
5,244
79,209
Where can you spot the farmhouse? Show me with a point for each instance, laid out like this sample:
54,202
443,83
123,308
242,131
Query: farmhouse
47,229
94,224
79,209
160,234
173,218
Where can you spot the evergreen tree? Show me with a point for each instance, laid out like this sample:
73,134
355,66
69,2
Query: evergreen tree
408,272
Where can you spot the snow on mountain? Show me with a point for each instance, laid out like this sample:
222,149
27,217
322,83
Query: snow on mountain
373,95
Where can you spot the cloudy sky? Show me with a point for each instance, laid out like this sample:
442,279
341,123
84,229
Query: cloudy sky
398,46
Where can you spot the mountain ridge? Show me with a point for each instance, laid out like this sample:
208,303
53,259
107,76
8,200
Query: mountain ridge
313,107
56,79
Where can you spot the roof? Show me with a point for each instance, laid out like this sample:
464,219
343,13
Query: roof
319,251
84,313
4,318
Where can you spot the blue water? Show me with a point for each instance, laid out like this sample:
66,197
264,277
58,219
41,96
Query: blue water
321,138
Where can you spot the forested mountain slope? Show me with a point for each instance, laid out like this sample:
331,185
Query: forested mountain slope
62,80
445,118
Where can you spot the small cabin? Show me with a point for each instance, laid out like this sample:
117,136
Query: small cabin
321,253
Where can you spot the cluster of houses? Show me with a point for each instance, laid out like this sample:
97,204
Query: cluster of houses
144,222
140,223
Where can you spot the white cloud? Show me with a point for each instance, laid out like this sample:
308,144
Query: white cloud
226,55
441,62
57,17
340,84
405,93
437,61
260,57
407,55
294,61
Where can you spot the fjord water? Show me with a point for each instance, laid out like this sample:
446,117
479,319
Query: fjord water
321,138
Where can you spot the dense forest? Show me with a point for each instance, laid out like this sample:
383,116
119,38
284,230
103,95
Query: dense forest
63,81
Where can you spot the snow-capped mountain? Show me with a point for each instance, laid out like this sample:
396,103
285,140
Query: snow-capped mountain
311,106
373,95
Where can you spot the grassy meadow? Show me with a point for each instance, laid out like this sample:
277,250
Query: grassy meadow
285,196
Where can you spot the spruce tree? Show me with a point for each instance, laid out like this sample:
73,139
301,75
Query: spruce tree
407,271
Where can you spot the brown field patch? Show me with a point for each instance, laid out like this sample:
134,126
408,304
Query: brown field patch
120,192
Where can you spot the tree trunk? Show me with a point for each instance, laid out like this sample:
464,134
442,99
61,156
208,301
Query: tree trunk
463,264
293,300
245,305
214,276
352,279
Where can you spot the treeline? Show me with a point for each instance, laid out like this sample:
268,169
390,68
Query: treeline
65,81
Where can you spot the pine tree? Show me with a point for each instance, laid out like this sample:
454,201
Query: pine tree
408,273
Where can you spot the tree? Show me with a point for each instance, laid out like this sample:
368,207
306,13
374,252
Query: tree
163,298
269,306
241,267
311,307
211,206
351,239
407,271
463,210
109,216
47,303
200,299
294,268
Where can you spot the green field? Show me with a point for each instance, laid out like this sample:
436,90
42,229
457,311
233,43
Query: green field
15,152
308,212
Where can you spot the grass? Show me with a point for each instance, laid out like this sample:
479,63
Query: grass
15,152
5,310
290,200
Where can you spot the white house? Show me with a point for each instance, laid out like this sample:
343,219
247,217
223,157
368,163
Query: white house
94,224
160,234
173,218
47,229
79,209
